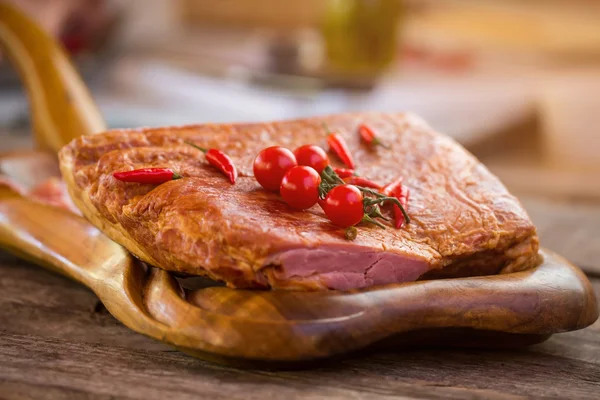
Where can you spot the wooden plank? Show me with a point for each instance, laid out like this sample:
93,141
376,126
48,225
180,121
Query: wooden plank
569,228
54,345
28,391
548,181
104,371
34,301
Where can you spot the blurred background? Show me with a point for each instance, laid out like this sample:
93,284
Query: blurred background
517,83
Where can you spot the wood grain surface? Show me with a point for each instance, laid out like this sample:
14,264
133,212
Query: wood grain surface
283,327
57,342
570,229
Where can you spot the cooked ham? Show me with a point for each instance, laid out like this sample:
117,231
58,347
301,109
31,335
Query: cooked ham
464,221
351,268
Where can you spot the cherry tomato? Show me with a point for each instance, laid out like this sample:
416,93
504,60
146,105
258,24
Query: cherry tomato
344,206
312,156
271,164
300,187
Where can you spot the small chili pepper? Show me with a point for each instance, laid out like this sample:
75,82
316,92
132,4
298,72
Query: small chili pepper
147,175
337,143
401,194
344,172
220,160
369,136
390,188
364,182
397,190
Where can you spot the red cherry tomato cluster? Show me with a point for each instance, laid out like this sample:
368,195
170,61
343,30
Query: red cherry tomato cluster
297,178
305,178
294,175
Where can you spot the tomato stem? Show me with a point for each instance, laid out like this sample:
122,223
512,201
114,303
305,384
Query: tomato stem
370,220
378,142
329,180
375,211
371,191
382,199
351,233
332,176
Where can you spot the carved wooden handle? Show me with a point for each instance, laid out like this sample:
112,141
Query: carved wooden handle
66,243
61,106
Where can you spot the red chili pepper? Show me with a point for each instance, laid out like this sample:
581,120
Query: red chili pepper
337,143
369,136
220,160
390,188
401,194
397,190
364,182
344,172
147,175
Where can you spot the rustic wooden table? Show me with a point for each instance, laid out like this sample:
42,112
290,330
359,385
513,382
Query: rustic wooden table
57,341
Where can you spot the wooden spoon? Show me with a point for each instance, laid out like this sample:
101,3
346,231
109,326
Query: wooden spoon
61,106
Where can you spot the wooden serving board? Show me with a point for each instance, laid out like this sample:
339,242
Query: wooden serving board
240,326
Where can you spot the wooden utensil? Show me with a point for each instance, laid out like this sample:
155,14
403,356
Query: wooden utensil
225,324
292,326
61,106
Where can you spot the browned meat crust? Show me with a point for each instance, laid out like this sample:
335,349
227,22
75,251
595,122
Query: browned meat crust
464,221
